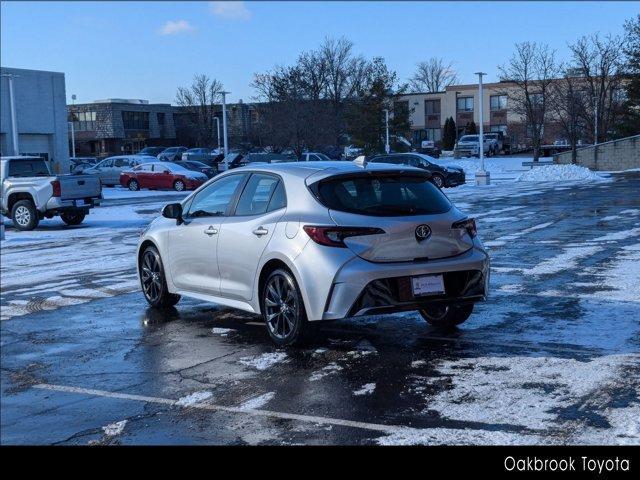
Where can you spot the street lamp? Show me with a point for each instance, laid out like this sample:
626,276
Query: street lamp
482,177
218,131
386,124
12,106
224,121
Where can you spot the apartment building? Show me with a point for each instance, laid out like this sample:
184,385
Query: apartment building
429,111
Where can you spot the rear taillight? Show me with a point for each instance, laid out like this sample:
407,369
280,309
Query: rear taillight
468,224
334,236
57,192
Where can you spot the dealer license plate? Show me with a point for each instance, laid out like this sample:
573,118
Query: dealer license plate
427,285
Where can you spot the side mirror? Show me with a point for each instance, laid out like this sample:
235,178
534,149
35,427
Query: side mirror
166,172
173,210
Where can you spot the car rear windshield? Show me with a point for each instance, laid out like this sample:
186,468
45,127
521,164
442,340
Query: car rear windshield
382,195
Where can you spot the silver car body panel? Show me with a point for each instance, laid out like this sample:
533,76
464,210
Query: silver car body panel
225,267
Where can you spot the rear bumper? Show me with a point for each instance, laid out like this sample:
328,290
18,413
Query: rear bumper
361,287
455,179
56,204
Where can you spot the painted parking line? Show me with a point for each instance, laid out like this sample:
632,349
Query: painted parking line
376,427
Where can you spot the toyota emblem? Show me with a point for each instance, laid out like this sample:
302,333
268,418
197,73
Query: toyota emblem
422,232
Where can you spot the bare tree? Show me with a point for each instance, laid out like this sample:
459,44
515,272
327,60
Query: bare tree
599,62
200,100
566,101
532,69
433,76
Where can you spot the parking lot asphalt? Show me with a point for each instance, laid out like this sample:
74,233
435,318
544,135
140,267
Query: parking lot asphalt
553,356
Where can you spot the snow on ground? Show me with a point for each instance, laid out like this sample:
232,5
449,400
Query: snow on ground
257,402
366,389
223,332
264,361
114,429
555,173
194,398
568,259
525,392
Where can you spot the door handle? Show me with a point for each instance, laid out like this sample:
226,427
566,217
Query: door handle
260,231
211,231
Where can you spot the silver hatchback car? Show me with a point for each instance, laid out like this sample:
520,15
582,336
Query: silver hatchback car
310,241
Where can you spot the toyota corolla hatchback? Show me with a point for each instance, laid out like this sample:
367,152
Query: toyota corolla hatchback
304,242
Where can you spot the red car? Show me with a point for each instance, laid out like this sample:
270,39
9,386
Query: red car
157,175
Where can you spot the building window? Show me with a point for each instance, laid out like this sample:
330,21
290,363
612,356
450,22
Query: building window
135,120
465,104
432,107
434,134
498,102
84,121
498,128
161,119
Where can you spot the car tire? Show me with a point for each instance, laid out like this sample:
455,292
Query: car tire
24,215
438,180
73,218
446,317
285,318
133,185
153,281
179,186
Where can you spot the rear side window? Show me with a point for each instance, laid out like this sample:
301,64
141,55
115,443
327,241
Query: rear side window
27,168
382,195
256,195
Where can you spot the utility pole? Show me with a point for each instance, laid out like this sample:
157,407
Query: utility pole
595,118
386,124
482,176
14,119
224,122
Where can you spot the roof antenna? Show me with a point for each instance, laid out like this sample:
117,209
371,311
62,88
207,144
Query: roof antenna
361,161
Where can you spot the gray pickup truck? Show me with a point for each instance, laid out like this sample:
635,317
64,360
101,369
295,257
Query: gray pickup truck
30,193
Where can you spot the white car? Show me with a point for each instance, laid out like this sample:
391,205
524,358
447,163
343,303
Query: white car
468,145
302,242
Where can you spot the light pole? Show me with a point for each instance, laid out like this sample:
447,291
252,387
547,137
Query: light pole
386,124
224,122
218,130
595,118
482,177
14,120
73,139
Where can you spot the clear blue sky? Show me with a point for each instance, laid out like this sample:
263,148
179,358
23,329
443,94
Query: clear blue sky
147,49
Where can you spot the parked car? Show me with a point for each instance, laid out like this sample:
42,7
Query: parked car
468,146
152,151
161,175
198,167
351,152
300,245
109,169
429,147
261,158
78,164
229,159
199,154
30,193
172,153
449,176
313,157
496,145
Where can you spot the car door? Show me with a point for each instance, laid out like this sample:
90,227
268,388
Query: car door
144,175
193,244
162,176
245,234
104,171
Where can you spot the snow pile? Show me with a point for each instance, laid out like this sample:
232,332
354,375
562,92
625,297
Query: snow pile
553,173
367,389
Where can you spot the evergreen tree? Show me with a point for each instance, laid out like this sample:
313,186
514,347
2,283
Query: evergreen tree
449,134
